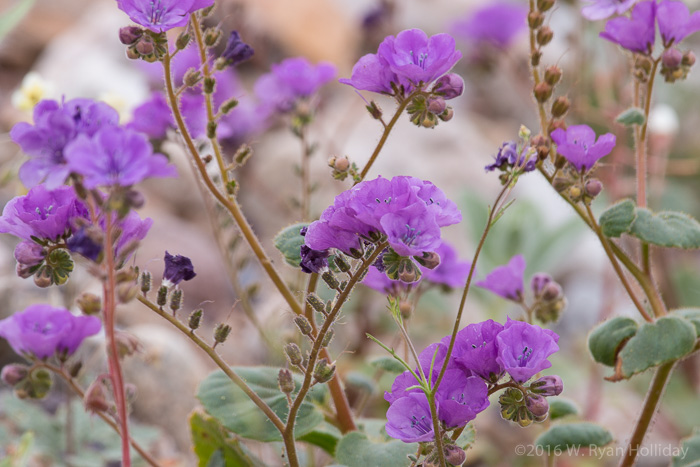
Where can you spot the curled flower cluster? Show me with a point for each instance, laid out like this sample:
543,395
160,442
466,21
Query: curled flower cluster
483,354
407,211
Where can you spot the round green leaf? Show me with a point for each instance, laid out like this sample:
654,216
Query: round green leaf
631,116
689,451
618,218
561,407
211,442
289,241
356,450
692,315
668,229
606,340
225,401
667,339
574,435
389,364
325,436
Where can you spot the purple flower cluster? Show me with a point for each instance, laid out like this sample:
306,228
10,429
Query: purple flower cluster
42,331
509,156
408,211
579,146
161,15
483,353
411,59
497,24
638,33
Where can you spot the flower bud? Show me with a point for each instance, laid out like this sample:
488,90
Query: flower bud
131,53
25,272
437,105
324,372
315,302
330,280
236,50
552,291
537,405
145,282
94,399
212,36
550,385
447,115
89,304
454,454
449,86
285,381
195,319
408,272
545,5
176,300
672,58
429,259
221,332
36,386
552,74
293,353
524,417
542,92
29,253
374,110
535,19
14,373
539,281
145,46
191,77
127,291
688,59
162,297
127,344
130,34
560,106
406,309
303,324
535,58
341,164
43,278
593,187
545,35
182,40
555,123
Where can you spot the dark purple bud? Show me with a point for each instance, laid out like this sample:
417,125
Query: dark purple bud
83,243
593,187
313,260
130,34
672,58
29,253
145,46
539,281
552,291
449,86
236,50
437,105
550,385
537,404
177,269
14,373
454,454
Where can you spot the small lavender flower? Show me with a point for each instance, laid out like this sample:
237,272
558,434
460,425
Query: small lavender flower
161,15
56,125
603,9
42,331
461,398
508,156
523,349
236,50
579,146
409,420
116,156
637,33
476,349
178,268
291,80
506,281
675,21
498,24
41,213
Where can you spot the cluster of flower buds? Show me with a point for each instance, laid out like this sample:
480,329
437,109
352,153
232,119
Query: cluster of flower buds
549,298
143,43
542,33
342,168
524,405
27,382
427,111
676,65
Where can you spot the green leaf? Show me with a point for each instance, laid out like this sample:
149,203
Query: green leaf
214,447
631,116
356,450
225,401
606,340
668,228
325,436
692,315
618,218
689,455
289,241
388,364
561,407
667,339
574,435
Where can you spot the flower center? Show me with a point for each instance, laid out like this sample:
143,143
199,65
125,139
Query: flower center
410,236
42,329
524,356
44,214
421,59
157,11
420,424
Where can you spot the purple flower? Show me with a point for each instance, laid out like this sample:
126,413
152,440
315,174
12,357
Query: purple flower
29,253
236,50
508,157
177,269
506,281
313,260
410,59
42,331
461,398
523,349
116,156
41,213
409,420
579,146
675,21
161,15
153,118
602,9
476,349
56,125
409,232
497,23
291,80
636,33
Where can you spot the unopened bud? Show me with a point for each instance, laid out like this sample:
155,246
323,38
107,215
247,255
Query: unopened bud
162,297
560,106
209,85
545,5
243,154
145,46
437,105
191,77
374,110
293,353
552,74
315,302
145,282
552,291
182,40
447,115
408,271
127,344
593,187
535,58
545,35
303,325
542,152
212,36
176,300
672,58
340,262
324,371
535,19
29,253
228,105
539,281
554,124
688,59
285,381
43,278
537,405
406,309
550,385
330,280
130,34
542,92
341,164
454,454
221,332
195,319
449,86
14,373
327,338
429,259
89,303
25,272
127,291
131,53
94,399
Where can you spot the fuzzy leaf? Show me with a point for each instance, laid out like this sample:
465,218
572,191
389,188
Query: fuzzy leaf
689,455
606,340
213,445
631,116
388,364
356,450
289,241
560,407
618,218
692,315
574,435
667,228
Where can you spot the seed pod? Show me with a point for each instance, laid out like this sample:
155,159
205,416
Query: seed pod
324,371
14,373
315,302
195,319
330,280
303,325
535,19
221,332
542,92
89,304
560,106
293,353
285,381
545,35
162,297
145,282
176,300
327,338
340,261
